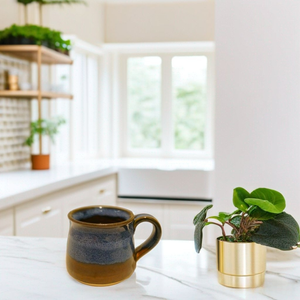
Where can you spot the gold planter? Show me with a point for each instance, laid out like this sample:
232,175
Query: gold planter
241,265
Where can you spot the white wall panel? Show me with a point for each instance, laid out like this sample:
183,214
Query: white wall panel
258,98
159,22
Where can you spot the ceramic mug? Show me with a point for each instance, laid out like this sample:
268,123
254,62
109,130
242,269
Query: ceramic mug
100,248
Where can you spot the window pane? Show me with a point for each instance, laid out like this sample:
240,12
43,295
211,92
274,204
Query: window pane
189,101
144,102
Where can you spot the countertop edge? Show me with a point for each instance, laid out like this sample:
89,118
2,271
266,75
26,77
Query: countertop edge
16,199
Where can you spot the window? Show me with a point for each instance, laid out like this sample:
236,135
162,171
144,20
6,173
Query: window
166,104
79,138
189,76
144,102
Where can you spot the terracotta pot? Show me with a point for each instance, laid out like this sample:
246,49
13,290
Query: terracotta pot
241,265
40,162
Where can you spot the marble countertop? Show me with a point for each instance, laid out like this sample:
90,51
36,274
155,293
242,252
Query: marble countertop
22,185
34,268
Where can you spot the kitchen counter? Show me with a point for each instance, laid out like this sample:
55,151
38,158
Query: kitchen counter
34,268
22,185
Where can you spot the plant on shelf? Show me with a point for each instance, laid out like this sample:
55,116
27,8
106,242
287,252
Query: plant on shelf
34,35
259,220
43,127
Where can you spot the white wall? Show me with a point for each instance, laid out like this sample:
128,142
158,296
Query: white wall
159,22
258,98
84,21
9,13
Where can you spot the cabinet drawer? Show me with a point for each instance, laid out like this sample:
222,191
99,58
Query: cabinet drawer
39,218
7,222
180,221
104,193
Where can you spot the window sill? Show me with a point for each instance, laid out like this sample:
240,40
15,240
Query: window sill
165,164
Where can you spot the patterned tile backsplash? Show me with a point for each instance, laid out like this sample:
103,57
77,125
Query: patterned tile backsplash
14,119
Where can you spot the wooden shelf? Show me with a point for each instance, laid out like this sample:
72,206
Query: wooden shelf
34,94
30,53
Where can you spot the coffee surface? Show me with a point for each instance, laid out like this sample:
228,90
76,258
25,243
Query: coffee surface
102,219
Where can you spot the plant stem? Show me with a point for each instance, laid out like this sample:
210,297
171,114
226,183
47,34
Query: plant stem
26,14
233,226
222,228
41,14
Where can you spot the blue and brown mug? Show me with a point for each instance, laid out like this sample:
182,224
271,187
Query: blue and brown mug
100,249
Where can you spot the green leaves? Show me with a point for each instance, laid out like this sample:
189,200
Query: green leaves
259,218
266,199
200,223
239,196
224,217
198,236
236,221
34,34
44,127
201,216
25,2
282,232
259,214
262,200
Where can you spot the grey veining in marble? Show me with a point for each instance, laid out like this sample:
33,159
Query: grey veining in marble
34,268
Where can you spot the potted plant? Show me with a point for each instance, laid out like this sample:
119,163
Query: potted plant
46,128
259,221
34,35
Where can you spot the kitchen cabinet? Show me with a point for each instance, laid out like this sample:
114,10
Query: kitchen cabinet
7,222
180,221
47,216
40,218
176,217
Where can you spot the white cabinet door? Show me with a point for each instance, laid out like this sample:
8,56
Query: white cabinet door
7,222
40,218
104,191
179,221
176,219
144,229
97,192
48,216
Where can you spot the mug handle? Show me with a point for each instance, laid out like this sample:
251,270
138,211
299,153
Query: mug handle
152,240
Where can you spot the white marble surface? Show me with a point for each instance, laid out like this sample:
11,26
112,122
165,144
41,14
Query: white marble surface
19,186
22,185
34,268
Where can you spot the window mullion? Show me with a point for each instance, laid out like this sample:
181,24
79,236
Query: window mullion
166,106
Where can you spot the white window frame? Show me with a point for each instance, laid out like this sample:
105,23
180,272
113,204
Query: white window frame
120,54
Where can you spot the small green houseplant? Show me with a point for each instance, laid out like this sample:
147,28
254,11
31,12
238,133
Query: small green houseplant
34,35
43,127
258,220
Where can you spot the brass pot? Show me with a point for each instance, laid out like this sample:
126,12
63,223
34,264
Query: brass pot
40,162
241,265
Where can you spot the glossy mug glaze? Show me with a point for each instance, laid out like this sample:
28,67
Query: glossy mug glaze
100,248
